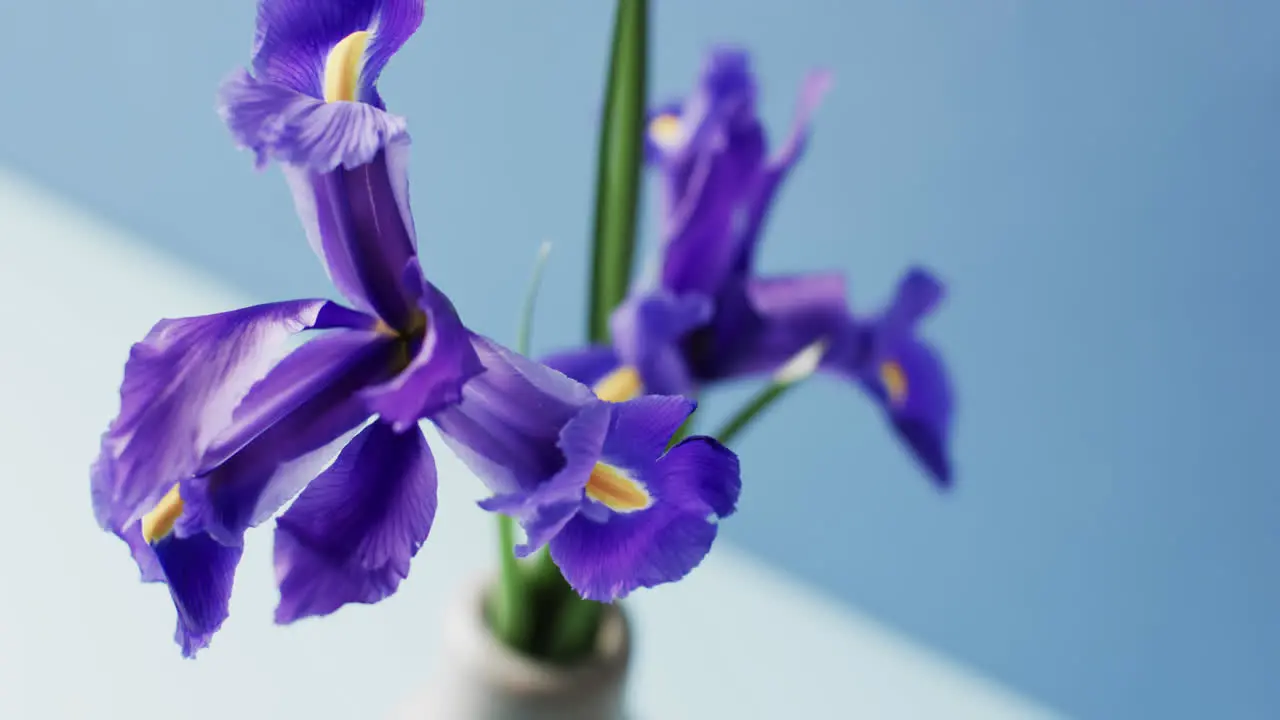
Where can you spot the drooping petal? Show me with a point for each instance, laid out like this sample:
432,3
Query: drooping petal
180,386
813,89
435,377
199,572
295,37
912,386
605,557
289,426
509,420
349,537
648,329
587,365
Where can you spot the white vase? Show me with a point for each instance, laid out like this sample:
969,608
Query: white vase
479,678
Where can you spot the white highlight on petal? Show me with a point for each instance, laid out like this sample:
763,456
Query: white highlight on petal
802,364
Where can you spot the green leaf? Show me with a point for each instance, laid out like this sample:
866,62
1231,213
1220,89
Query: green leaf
620,166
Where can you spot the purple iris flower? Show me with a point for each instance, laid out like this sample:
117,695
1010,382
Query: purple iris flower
592,479
214,435
704,317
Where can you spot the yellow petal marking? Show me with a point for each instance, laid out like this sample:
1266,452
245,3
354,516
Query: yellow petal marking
159,522
617,491
666,130
895,381
620,385
342,67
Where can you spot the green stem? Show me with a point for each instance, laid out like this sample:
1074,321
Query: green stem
512,608
799,368
748,412
619,166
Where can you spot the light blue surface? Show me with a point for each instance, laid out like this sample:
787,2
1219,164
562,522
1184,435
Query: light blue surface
1098,181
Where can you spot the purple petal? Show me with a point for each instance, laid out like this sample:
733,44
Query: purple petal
771,320
294,38
605,561
350,535
289,426
435,377
918,294
509,420
813,89
280,124
643,427
180,386
347,166
921,411
708,178
200,573
648,330
587,365
553,502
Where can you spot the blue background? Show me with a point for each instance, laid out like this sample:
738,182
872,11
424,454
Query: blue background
1096,180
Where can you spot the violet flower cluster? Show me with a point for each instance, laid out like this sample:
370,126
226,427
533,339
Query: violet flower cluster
220,426
707,317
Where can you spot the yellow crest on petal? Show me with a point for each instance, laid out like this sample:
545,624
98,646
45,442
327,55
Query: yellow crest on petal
895,381
620,385
342,67
616,490
666,130
159,522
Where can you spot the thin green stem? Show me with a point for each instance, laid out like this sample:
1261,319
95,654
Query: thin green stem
799,368
748,412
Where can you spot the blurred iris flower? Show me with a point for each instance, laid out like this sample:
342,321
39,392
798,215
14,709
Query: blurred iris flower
705,317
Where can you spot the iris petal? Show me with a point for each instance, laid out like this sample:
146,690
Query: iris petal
280,124
921,415
707,183
642,428
814,87
919,292
349,537
199,572
509,420
285,431
605,561
294,37
180,386
759,328
587,365
347,167
648,330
